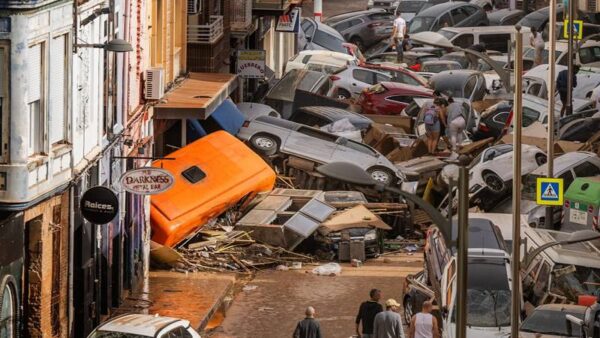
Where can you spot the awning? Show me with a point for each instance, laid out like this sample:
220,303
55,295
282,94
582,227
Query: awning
197,96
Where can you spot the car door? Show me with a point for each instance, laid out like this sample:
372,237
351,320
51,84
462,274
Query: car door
311,144
361,78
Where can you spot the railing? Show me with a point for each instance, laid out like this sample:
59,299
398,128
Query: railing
241,15
206,34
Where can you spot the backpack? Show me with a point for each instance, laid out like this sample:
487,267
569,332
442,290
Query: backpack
430,117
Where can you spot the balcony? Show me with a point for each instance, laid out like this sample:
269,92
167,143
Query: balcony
206,34
240,12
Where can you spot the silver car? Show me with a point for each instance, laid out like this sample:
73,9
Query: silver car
268,136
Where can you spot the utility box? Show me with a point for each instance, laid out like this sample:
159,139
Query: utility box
582,204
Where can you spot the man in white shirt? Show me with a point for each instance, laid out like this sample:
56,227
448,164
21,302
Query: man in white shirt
398,33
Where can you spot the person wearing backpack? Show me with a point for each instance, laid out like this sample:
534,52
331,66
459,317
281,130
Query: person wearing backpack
432,126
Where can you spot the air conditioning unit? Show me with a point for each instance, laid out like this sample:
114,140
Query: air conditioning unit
155,84
193,7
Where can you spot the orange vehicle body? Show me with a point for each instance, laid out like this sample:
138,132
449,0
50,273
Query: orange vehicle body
233,171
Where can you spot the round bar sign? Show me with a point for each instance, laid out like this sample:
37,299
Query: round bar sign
147,181
99,205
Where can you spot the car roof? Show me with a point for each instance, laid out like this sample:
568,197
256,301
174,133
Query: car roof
580,254
329,60
503,13
456,75
334,113
438,9
482,234
565,161
572,308
139,324
343,16
485,29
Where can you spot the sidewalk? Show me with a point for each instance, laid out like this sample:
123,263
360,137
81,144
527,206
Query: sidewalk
196,297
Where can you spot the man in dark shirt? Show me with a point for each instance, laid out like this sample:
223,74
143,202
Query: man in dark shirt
308,327
366,314
562,82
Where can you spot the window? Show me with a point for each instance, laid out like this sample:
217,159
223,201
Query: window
342,25
381,77
58,103
399,98
37,121
470,10
328,41
586,169
458,15
8,309
470,86
497,42
382,17
306,58
589,55
363,76
359,147
179,332
511,21
4,99
308,28
529,116
463,40
567,178
355,22
407,79
445,21
308,119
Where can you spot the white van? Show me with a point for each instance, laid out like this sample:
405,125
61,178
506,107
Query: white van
493,37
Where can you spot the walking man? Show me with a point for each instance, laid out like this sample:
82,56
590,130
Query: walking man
423,324
398,33
388,324
308,327
366,314
562,85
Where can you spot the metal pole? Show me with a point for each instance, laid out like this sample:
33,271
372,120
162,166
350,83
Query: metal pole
569,108
318,10
463,251
551,102
516,194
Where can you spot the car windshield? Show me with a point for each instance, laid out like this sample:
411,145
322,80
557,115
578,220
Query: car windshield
410,6
551,322
529,54
107,334
439,67
530,186
420,24
328,41
573,281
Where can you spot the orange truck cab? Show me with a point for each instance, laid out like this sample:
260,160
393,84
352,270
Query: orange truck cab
211,174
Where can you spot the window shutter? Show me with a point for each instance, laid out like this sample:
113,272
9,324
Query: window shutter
57,89
35,72
2,75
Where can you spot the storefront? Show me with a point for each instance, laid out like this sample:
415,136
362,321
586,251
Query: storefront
11,267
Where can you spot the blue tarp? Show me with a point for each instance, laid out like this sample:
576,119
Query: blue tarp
226,117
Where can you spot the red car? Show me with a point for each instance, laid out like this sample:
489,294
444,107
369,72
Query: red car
390,98
399,74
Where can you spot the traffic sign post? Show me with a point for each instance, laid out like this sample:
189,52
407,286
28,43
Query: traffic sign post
577,29
550,191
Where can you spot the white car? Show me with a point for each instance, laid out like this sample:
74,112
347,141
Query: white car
252,110
305,58
588,54
140,325
535,82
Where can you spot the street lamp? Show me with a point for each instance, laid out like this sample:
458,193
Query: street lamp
574,237
114,45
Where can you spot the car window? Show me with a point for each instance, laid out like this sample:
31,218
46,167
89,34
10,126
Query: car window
381,16
511,21
458,15
400,98
355,22
501,118
589,54
586,169
306,58
445,21
567,178
358,147
530,116
342,25
470,85
463,40
317,134
381,77
308,28
470,10
421,24
497,42
308,119
179,332
329,41
405,78
363,76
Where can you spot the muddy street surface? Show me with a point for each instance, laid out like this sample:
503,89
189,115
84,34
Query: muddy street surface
274,301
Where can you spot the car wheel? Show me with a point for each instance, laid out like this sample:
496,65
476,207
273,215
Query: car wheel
381,175
358,42
265,144
343,94
408,310
494,182
541,159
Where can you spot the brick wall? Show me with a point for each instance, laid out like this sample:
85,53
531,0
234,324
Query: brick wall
47,268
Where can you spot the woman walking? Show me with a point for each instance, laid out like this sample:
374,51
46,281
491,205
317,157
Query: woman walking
456,123
537,42
432,127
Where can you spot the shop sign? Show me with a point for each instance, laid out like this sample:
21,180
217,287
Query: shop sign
289,23
99,205
147,181
251,64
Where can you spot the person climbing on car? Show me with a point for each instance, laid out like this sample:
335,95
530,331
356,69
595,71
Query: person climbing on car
398,33
562,85
473,59
366,314
432,125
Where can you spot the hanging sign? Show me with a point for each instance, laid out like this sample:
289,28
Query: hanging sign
251,64
549,191
289,23
99,205
147,181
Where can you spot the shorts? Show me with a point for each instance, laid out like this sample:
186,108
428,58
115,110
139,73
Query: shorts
432,128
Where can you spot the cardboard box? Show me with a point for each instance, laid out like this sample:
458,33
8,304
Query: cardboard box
378,131
406,123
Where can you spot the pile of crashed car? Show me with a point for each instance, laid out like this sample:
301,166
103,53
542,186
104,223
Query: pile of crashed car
345,97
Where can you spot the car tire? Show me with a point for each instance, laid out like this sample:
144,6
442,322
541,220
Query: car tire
343,94
494,182
381,175
408,310
541,159
358,42
264,144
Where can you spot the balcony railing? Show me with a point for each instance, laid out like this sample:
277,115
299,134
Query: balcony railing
241,15
206,34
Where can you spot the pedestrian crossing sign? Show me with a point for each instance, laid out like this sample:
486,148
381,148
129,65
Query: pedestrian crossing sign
577,29
549,191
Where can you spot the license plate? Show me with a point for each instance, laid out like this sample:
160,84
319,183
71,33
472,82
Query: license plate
578,216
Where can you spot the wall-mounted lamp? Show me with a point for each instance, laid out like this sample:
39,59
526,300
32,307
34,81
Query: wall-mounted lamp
114,45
